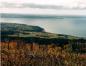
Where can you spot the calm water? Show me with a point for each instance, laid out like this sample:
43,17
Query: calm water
63,25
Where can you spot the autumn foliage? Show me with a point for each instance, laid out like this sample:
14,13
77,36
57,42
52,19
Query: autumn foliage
14,53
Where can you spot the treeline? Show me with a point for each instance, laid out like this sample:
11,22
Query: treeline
75,45
37,40
79,45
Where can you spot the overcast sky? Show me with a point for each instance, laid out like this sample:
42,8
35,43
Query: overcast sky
56,7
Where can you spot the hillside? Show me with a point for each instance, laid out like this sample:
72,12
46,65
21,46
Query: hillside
20,27
23,30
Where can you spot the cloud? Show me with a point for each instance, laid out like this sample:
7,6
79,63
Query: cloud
78,5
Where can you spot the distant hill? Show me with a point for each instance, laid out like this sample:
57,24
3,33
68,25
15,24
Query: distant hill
8,15
5,15
12,28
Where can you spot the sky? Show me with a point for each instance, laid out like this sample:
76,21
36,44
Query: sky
49,7
64,3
